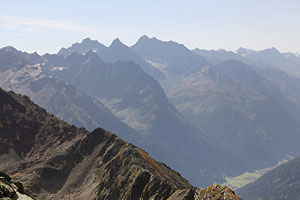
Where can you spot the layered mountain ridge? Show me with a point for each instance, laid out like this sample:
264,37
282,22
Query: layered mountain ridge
40,150
58,97
117,51
177,58
232,101
137,99
132,95
233,111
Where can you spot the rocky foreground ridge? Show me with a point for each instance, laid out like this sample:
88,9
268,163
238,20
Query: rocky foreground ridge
55,160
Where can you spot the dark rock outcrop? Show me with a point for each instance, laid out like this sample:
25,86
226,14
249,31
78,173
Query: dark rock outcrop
10,190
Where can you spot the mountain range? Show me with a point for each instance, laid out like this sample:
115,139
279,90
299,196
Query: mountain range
231,97
58,97
55,160
117,51
135,107
267,58
176,58
206,114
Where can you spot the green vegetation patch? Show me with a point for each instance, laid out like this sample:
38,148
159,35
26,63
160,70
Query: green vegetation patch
248,177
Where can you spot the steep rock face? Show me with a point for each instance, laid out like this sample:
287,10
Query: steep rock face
58,161
282,182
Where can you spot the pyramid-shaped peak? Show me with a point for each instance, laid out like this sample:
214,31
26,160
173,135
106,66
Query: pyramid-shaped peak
89,41
9,49
273,49
143,38
86,40
116,43
244,51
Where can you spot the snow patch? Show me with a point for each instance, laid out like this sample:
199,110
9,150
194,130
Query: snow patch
58,68
158,65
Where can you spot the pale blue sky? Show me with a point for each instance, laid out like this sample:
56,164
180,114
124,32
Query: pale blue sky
46,26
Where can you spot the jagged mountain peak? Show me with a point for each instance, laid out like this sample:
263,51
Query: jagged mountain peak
144,37
86,45
90,41
117,51
116,43
87,40
145,40
244,51
272,50
178,58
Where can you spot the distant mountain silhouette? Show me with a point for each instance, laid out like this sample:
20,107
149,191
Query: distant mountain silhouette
86,45
177,57
217,56
272,58
117,51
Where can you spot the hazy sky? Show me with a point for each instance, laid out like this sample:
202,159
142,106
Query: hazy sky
46,26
